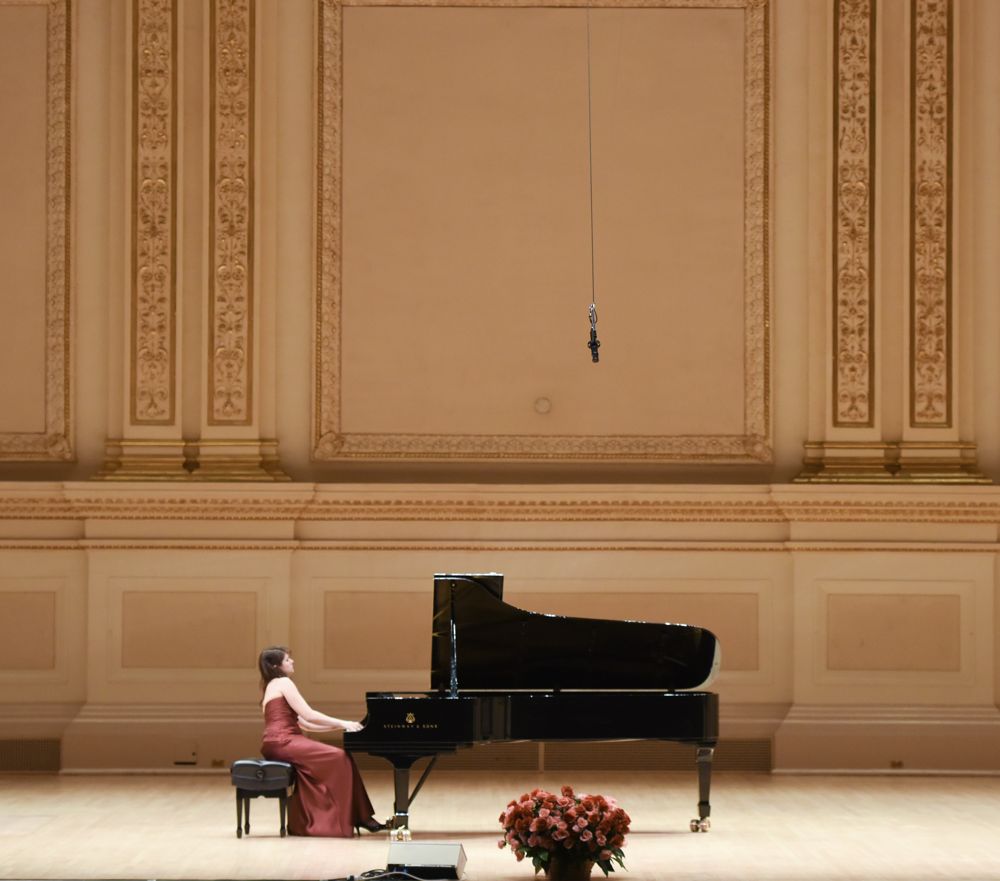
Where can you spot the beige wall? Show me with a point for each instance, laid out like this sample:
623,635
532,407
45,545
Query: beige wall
350,244
857,628
299,246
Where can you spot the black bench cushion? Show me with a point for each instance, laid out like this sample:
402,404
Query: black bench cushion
261,775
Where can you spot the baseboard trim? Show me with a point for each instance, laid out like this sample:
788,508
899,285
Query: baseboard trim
888,739
883,772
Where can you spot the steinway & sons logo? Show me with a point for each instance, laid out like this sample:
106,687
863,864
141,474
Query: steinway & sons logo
410,723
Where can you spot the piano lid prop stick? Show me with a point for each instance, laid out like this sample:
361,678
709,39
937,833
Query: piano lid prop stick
594,343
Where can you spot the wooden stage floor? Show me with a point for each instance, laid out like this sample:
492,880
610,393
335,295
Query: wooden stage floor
764,827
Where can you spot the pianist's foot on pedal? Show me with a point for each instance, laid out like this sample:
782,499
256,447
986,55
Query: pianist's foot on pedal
370,825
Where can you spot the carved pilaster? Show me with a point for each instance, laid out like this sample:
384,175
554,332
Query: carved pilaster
854,215
231,216
848,462
228,460
137,459
154,213
842,458
931,324
230,448
930,451
150,447
58,403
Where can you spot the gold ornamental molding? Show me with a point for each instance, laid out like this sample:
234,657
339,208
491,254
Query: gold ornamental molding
534,511
330,442
931,318
762,547
854,214
231,215
154,212
315,503
55,441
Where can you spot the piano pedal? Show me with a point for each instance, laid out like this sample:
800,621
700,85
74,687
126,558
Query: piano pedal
702,825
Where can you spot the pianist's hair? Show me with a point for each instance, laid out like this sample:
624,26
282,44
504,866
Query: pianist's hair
269,664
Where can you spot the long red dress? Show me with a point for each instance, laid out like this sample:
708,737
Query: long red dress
329,798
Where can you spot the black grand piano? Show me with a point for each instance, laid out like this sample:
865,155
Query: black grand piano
493,679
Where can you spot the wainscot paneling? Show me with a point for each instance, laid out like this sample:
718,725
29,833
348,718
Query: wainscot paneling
871,649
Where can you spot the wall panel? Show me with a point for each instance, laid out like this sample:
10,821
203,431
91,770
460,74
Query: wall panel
28,628
466,238
43,596
904,632
186,627
898,628
35,225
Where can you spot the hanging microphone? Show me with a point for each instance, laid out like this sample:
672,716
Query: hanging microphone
594,343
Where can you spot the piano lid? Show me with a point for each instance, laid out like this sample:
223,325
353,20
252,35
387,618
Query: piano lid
481,642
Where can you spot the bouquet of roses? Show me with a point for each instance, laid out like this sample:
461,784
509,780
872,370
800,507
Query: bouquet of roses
586,827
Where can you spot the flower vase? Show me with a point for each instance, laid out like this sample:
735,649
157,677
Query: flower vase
563,867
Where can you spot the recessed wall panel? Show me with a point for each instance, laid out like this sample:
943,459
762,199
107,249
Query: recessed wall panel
918,632
486,277
377,630
189,629
485,173
28,629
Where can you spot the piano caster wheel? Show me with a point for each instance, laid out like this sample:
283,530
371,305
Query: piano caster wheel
401,834
701,825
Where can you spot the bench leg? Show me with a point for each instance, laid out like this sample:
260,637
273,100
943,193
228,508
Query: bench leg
282,799
246,815
239,815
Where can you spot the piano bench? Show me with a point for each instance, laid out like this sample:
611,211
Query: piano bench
260,777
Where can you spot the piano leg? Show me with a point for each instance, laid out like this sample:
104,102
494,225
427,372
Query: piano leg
704,759
401,765
400,822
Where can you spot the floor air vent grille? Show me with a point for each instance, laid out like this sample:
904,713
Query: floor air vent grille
29,755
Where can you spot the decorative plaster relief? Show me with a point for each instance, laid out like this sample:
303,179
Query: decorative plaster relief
930,208
776,504
330,441
55,442
231,218
154,212
854,213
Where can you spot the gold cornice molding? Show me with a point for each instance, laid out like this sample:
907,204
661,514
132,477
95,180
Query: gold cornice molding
55,442
153,332
329,442
769,504
853,394
669,547
563,4
762,547
816,511
231,213
538,511
554,448
931,247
